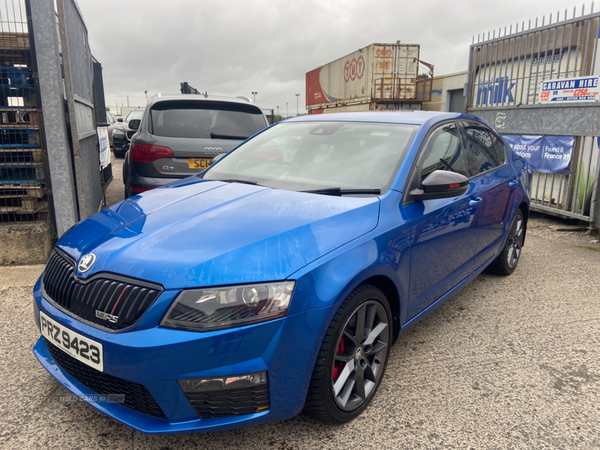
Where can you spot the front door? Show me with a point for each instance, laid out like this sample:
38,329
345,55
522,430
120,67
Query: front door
444,234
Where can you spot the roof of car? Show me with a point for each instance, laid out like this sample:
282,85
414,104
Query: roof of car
403,117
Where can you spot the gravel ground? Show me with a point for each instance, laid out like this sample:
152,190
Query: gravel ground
507,363
115,192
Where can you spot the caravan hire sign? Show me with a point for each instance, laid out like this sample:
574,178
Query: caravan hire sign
581,89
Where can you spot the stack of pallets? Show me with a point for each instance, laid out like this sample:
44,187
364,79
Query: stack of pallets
22,179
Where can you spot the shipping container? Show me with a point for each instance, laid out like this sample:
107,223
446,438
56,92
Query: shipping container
376,77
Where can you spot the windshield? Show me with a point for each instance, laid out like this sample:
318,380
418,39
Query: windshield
206,120
136,114
319,155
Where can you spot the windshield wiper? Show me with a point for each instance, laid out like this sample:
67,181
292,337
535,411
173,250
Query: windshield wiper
228,136
233,180
339,191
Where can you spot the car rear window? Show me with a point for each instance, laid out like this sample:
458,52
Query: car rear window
206,120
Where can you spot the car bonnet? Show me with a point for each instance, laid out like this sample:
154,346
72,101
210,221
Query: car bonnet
205,233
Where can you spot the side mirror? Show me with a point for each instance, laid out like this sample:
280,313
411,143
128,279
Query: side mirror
134,124
216,158
441,184
120,119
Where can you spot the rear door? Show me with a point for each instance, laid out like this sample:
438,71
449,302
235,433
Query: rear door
444,232
493,182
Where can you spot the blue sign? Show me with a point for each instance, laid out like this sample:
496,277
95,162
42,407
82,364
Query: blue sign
547,154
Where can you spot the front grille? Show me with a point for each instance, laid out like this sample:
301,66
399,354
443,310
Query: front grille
135,396
233,402
110,301
121,144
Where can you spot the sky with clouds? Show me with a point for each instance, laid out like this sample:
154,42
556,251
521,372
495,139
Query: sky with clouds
235,47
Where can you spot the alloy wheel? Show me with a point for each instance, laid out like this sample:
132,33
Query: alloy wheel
515,242
360,356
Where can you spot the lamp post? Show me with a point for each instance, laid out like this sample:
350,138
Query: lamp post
254,94
146,92
297,99
286,110
278,110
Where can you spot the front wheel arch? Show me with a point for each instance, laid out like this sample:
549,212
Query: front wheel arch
389,289
321,401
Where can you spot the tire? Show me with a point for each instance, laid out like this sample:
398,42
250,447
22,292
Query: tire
350,366
506,262
119,154
126,196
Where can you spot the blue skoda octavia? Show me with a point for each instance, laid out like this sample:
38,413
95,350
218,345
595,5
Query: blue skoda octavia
277,279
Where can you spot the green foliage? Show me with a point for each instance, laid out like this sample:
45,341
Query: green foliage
589,247
582,183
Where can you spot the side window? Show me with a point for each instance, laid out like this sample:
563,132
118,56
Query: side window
445,152
484,150
500,151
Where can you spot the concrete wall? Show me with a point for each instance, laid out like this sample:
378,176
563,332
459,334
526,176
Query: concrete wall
25,243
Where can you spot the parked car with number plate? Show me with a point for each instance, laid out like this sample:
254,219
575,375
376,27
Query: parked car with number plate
180,134
122,133
278,278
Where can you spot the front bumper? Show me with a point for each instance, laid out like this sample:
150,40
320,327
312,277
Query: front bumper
120,144
157,357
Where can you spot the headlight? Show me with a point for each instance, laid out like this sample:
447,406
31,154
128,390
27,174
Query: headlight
228,307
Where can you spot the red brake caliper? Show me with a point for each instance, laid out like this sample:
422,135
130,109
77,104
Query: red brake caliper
337,368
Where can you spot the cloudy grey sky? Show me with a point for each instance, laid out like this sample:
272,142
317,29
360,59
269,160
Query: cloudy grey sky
234,47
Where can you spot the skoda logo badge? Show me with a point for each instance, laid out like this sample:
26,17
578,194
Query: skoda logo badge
86,262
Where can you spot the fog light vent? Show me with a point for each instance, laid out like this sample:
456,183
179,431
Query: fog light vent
227,396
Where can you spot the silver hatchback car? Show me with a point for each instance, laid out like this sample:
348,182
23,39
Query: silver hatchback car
179,135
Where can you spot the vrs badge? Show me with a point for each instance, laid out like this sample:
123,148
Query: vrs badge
104,316
86,262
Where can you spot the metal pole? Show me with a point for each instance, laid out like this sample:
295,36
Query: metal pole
297,102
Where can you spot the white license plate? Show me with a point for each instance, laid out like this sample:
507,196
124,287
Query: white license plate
79,347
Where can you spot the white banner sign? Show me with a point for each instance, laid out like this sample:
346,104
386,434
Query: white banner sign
580,89
104,147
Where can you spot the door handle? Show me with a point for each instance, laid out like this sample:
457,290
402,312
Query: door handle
475,201
513,184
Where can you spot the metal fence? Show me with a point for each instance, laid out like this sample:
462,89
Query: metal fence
23,193
79,79
506,69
